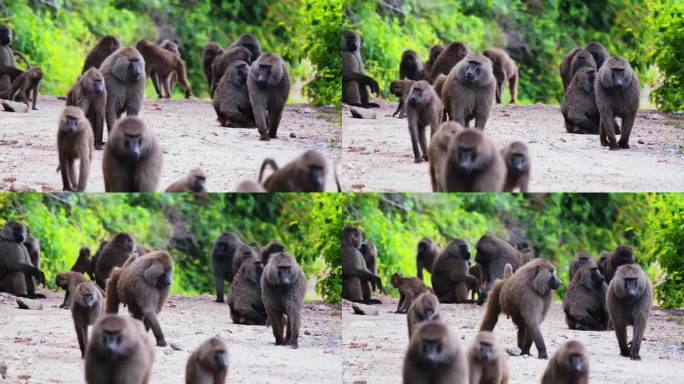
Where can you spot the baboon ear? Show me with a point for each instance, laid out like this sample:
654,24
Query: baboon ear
540,283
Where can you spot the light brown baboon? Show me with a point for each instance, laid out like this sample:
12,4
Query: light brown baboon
623,254
427,252
518,165
470,89
584,303
171,46
84,263
409,288
114,254
105,47
222,260
142,284
434,355
251,43
118,352
447,59
16,270
25,87
8,65
400,89
473,164
629,300
487,360
492,255
250,186
194,181
572,62
68,281
569,365
307,173
159,65
208,364
505,70
132,157
87,307
435,51
424,308
231,97
423,108
438,85
244,253
525,297
410,66
89,94
355,272
578,107
283,285
450,278
617,95
271,248
210,51
438,151
268,82
244,298
581,259
223,61
598,52
124,74
354,79
74,142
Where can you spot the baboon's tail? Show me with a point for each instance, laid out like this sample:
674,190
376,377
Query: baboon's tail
266,163
493,307
112,298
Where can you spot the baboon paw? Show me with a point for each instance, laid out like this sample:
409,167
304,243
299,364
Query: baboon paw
264,138
161,343
219,300
543,355
418,160
623,145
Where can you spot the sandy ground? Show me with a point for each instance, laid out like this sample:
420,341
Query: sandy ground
373,347
377,154
41,347
190,137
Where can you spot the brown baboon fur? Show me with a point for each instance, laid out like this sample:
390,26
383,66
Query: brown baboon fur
32,245
221,63
569,365
617,95
602,264
622,255
370,256
423,108
68,281
210,52
584,303
124,74
194,181
87,307
518,165
400,89
438,151
114,254
426,254
16,270
354,80
439,85
424,308
283,285
581,259
476,272
244,298
578,107
74,142
8,65
473,164
222,260
89,94
307,173
598,52
25,87
271,248
469,90
492,255
450,278
208,364
84,263
487,360
243,253
411,67
452,54
118,352
572,62
172,47
409,288
525,297
355,272
250,186
268,82
434,355
231,97
159,65
435,51
105,47
505,70
251,43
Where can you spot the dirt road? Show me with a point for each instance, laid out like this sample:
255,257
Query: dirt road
190,137
377,154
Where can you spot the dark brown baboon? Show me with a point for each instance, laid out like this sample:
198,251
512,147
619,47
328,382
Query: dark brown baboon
68,281
271,248
86,308
32,245
617,95
492,255
231,97
132,157
578,107
8,65
355,272
602,263
370,256
598,52
208,364
473,164
210,51
251,43
435,51
250,186
577,59
222,260
469,90
17,273
438,151
194,181
476,272
89,94
585,301
409,288
400,89
487,360
518,165
244,297
244,253
25,87
105,47
74,142
450,278
118,352
142,284
114,254
505,70
159,65
581,259
124,74
622,255
223,61
423,108
84,263
569,365
445,62
268,82
525,297
354,80
411,67
427,252
424,308
283,285
307,173
434,355
171,46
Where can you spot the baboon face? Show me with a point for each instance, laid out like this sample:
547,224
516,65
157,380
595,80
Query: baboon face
431,343
198,180
111,42
409,57
113,337
61,280
425,306
574,357
68,122
222,245
313,171
419,93
590,277
424,245
86,291
35,75
94,81
630,284
516,159
582,59
486,351
238,73
458,248
353,236
585,77
350,41
616,73
170,46
245,252
467,143
132,145
129,65
5,35
215,356
252,44
14,231
124,241
396,279
545,278
268,70
476,67
284,275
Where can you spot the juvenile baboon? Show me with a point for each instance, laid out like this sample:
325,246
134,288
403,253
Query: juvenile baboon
504,69
124,74
476,272
208,364
492,255
409,288
450,278
518,165
87,307
194,181
171,46
16,270
400,89
577,59
25,87
354,80
231,97
68,281
584,303
411,67
423,108
32,245
435,51
132,157
598,52
617,95
89,94
629,300
473,164
268,82
222,62
251,43
118,352
569,365
84,263
74,142
447,59
602,263
580,113
8,65
370,256
244,253
424,308
622,255
354,269
159,65
114,254
271,248
105,47
525,297
210,51
427,252
487,360
222,260
581,259
244,298
470,89
438,151
434,355
307,173
283,285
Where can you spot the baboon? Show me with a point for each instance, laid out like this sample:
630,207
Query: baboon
194,181
142,284
8,65
400,89
438,151
118,352
354,80
602,263
32,245
87,307
370,256
132,157
525,297
450,278
244,253
411,67
424,308
487,360
470,89
629,300
283,285
105,47
84,263
124,74
572,62
409,288
159,65
208,364
617,95
89,94
74,142
250,186
473,164
68,281
434,355
354,269
598,52
268,82
584,303
244,297
427,252
492,255
622,255
222,260
231,97
25,87
569,365
580,113
171,46
251,43
504,69
518,165
581,259
435,51
223,61
271,248
447,59
17,273
423,108
114,254
476,272
210,51
307,173
438,85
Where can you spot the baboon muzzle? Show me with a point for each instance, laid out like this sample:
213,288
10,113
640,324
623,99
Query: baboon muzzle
316,179
99,87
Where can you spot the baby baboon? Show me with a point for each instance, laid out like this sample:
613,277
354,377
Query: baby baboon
194,181
617,95
16,270
427,252
518,166
222,260
355,272
504,69
585,301
132,157
87,307
450,278
68,281
307,173
629,300
231,97
409,288
581,259
447,59
84,263
223,61
473,164
492,255
487,360
435,51
89,94
251,43
159,65
268,82
354,80
411,67
208,364
244,253
105,47
434,355
400,89
32,245
525,297
470,89
438,151
424,308
118,352
74,142
622,255
283,285
25,87
598,52
569,365
114,254
579,103
124,74
370,256
423,108
210,51
244,298
578,58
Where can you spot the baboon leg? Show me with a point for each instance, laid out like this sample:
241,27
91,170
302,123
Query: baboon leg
275,113
83,171
110,116
400,304
419,267
637,335
401,102
292,335
627,123
277,325
522,341
98,131
481,117
64,169
155,83
35,97
535,332
219,284
363,93
82,339
71,172
621,334
608,129
261,117
366,290
499,89
166,87
408,299
422,142
151,321
413,131
513,87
